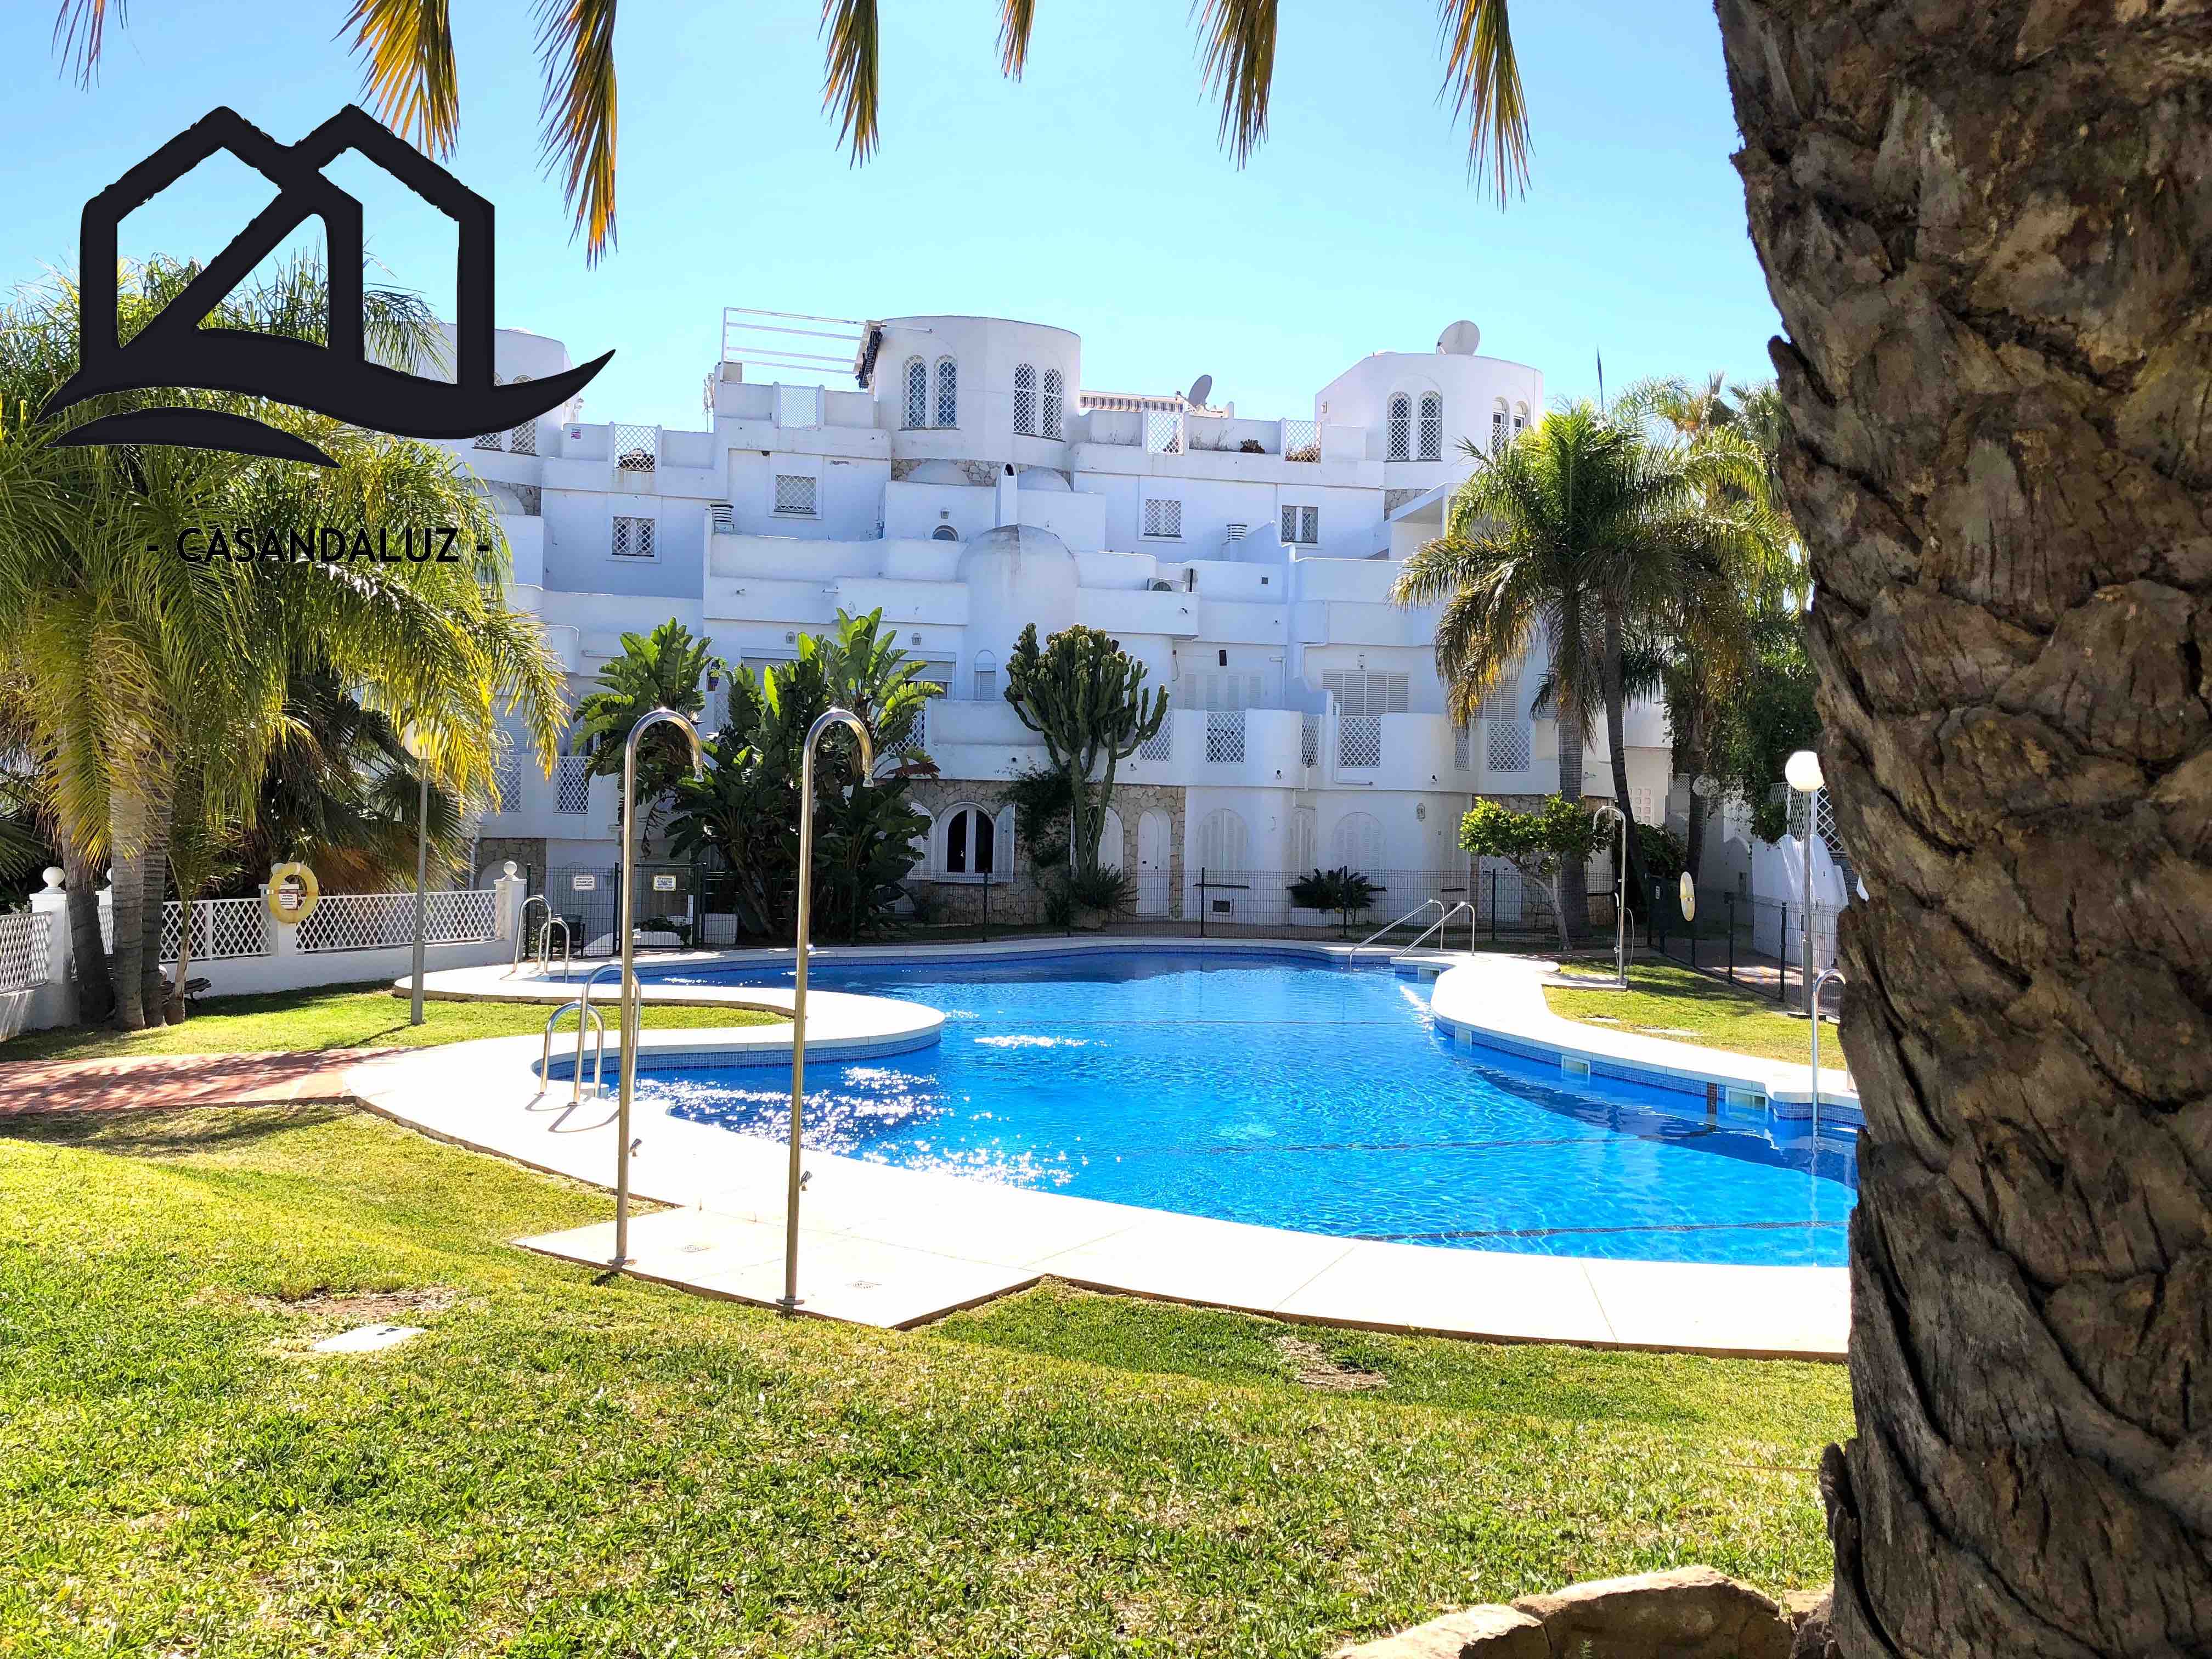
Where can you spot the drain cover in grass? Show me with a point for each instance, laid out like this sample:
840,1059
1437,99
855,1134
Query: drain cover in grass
367,1339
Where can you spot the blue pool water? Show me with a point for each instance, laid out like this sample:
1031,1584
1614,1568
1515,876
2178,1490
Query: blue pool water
1286,1092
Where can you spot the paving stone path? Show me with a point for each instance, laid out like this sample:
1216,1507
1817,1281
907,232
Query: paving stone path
156,1082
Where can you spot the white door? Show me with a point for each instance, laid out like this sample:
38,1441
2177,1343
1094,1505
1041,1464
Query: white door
1113,853
1153,830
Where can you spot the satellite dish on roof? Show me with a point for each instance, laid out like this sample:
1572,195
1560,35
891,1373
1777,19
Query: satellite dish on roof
1200,390
1462,339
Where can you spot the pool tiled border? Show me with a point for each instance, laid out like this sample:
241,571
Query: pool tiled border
897,1247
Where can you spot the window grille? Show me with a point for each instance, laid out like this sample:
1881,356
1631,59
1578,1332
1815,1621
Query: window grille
506,781
633,537
944,533
1461,759
948,393
1300,441
795,494
1056,402
1520,421
917,393
1308,740
1505,731
1162,518
1359,693
1025,399
571,784
1161,744
1224,736
799,406
489,440
1360,741
1301,526
721,518
1432,426
1162,432
637,447
1496,430
1402,428
522,440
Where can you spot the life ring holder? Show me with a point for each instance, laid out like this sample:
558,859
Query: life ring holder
297,882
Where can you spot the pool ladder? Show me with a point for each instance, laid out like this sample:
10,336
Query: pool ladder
544,955
586,1014
1436,928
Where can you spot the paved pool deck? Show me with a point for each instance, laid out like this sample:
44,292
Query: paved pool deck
895,1247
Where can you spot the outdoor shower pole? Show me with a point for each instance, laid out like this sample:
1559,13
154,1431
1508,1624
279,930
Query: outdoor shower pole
1802,774
1619,894
828,717
626,1064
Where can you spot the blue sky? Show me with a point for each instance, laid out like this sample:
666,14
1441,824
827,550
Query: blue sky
1092,195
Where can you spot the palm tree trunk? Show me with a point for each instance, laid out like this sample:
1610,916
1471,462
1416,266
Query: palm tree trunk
95,999
127,815
1981,227
1572,891
153,993
1616,737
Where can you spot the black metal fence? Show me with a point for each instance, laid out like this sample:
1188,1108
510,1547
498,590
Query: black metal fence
667,911
1755,942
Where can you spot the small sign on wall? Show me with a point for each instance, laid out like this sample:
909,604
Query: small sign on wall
584,884
664,883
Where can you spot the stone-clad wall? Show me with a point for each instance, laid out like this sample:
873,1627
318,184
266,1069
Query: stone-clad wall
1016,896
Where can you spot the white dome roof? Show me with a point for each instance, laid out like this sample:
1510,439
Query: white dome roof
940,472
1016,573
1021,544
1041,477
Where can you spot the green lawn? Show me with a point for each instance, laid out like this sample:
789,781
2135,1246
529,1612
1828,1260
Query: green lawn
1666,1000
565,1466
330,1017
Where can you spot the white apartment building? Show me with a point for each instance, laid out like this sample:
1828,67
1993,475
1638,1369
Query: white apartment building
973,483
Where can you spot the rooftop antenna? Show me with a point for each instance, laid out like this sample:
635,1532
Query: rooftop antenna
1200,390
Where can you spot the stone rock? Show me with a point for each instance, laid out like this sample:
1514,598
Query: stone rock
1485,1632
1816,1638
1690,1613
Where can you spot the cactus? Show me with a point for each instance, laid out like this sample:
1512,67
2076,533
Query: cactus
1085,698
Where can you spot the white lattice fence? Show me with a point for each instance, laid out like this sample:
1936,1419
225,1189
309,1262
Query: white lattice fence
1300,441
636,448
26,949
458,917
221,929
1359,740
1224,736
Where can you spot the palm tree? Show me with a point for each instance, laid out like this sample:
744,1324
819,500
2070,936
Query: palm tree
145,671
664,669
1980,225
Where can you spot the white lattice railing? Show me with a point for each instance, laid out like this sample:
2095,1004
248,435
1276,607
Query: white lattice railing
370,921
799,405
636,448
571,783
1505,745
1360,741
1161,744
221,929
1162,432
1224,736
26,949
507,781
1300,441
1310,740
1460,747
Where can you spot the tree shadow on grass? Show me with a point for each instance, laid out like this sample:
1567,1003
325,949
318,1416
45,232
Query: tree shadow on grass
179,1132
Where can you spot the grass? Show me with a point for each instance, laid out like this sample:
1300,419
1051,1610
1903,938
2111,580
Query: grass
330,1016
565,1465
1666,1000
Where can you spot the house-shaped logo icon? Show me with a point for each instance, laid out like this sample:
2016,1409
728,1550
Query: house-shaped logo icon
336,378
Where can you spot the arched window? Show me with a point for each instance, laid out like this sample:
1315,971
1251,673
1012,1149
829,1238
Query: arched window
1056,402
1358,842
944,533
986,677
917,393
1025,399
1401,427
1432,426
948,393
1520,418
1223,842
1498,426
971,842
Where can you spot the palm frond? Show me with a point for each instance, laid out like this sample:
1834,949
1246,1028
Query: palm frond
409,77
1239,38
1016,18
80,31
576,45
850,88
1484,81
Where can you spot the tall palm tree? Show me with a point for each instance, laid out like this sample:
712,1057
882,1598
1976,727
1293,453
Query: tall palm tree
1980,225
135,656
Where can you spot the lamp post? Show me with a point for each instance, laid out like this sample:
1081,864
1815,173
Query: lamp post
1802,772
626,1062
418,744
828,717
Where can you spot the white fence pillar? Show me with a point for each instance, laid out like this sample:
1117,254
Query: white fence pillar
54,1002
512,890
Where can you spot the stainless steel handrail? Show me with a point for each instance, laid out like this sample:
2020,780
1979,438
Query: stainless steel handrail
1813,1018
1438,925
1353,955
585,1011
583,997
522,929
544,958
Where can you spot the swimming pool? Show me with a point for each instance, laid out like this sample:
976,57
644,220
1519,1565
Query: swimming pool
1285,1091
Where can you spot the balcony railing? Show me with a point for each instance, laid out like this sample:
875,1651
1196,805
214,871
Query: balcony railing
1359,742
571,784
1224,737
